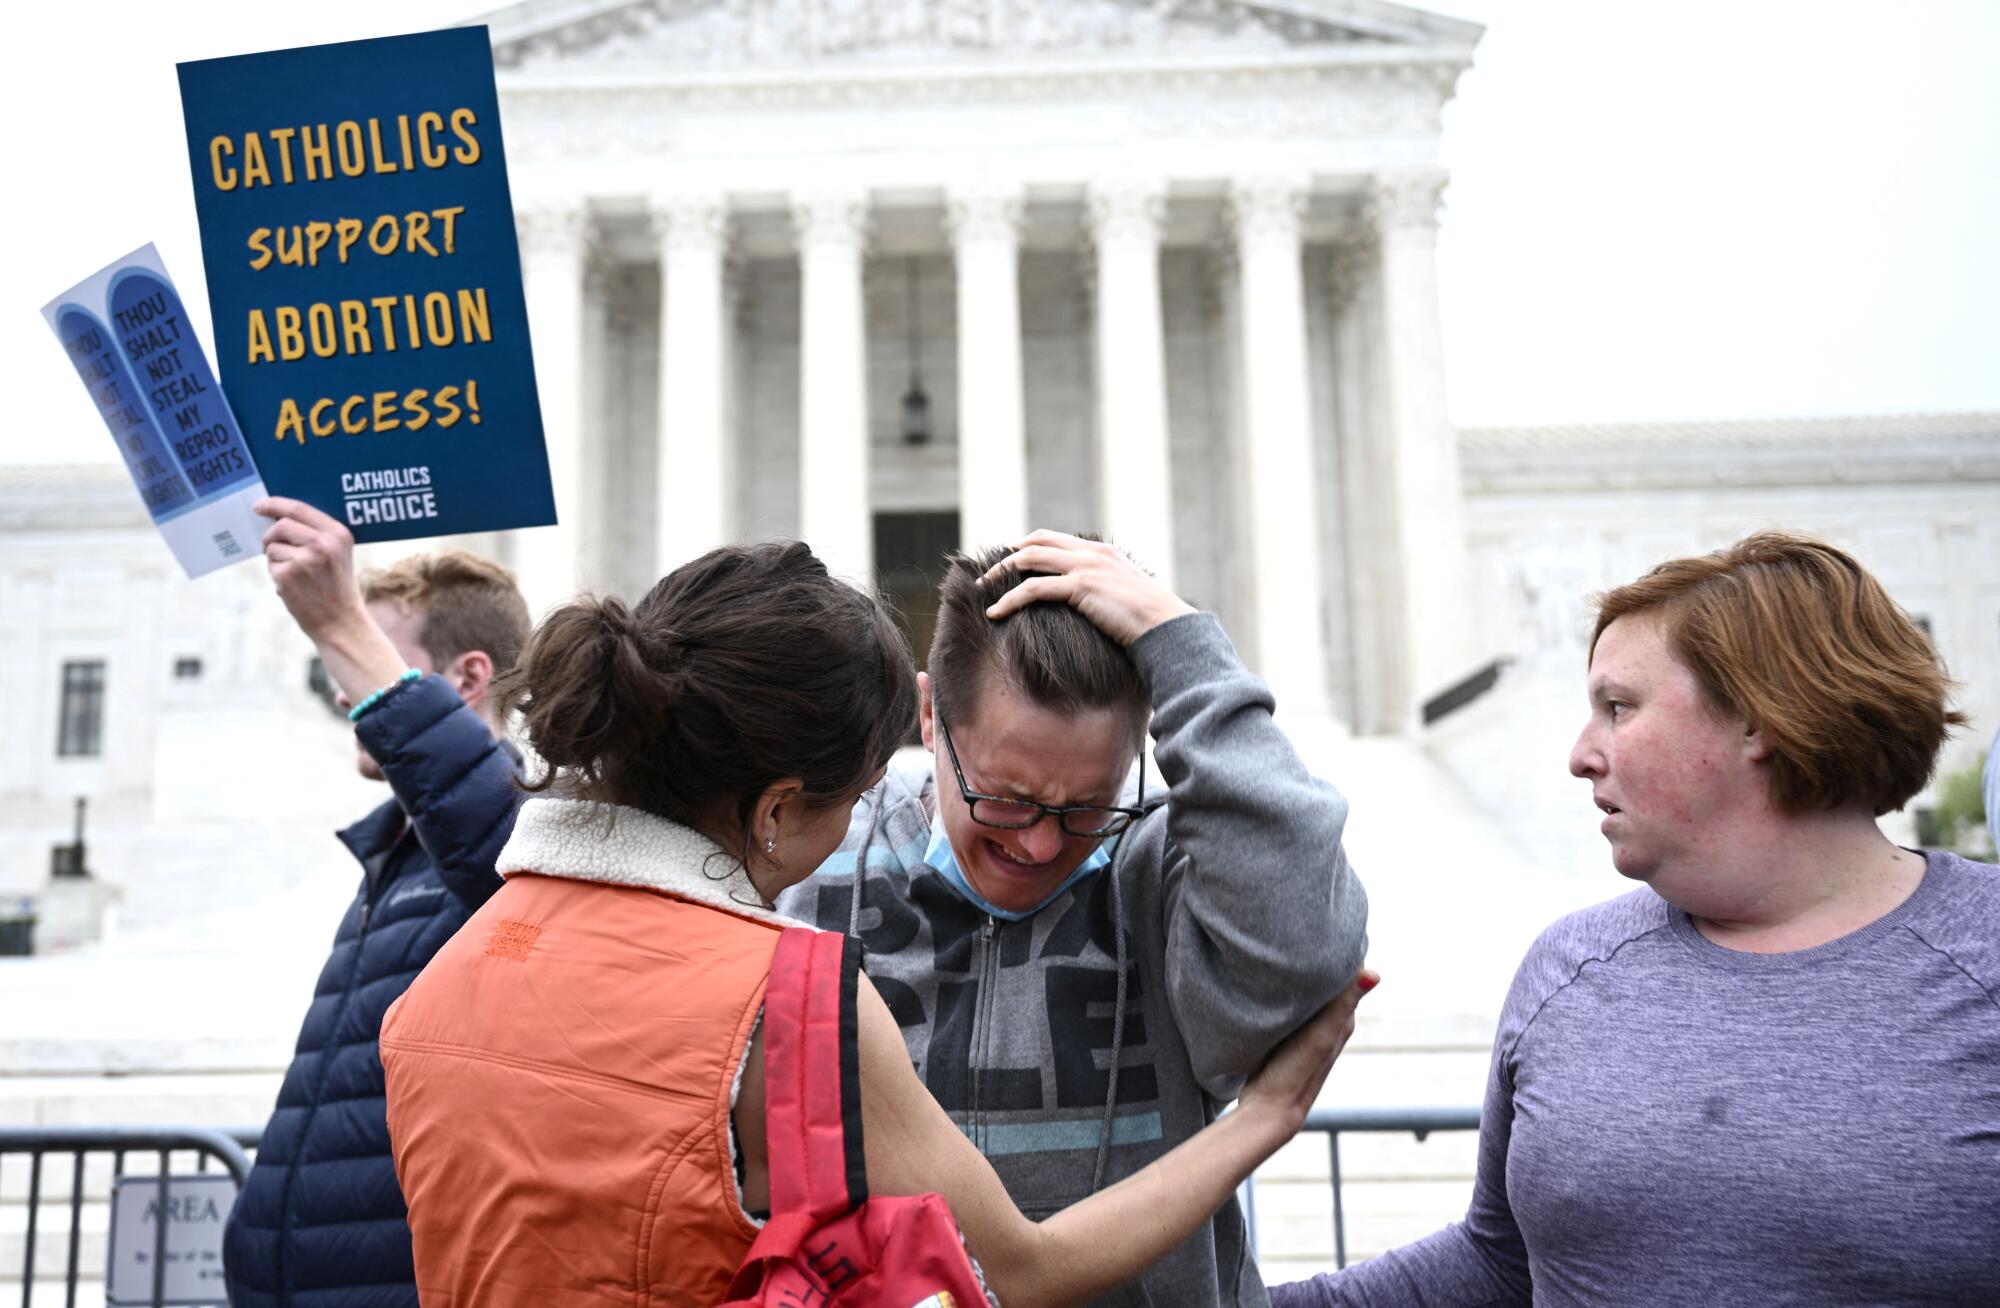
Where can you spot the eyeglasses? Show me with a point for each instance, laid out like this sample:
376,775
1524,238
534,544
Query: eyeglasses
1019,814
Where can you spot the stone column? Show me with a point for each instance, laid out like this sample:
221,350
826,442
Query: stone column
834,516
1380,678
1283,525
693,486
992,433
1135,477
604,511
554,241
1426,495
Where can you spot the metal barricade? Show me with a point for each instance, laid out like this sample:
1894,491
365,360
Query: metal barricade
39,1143
1335,1122
228,1146
1419,1122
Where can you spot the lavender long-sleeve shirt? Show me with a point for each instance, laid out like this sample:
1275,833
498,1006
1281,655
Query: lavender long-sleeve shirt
1671,1122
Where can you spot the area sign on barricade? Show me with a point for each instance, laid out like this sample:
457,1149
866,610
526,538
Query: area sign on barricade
358,237
195,1210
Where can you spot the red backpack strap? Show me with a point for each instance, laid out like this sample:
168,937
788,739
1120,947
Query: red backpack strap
812,1076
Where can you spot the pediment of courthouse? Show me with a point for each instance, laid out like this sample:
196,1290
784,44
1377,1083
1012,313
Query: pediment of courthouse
1160,269
659,34
750,78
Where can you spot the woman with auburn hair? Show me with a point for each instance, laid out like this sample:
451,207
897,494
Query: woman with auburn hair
576,1083
1771,1075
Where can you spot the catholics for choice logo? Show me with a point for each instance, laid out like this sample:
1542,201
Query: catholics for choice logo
388,495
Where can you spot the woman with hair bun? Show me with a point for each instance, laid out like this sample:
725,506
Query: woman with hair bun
1771,1074
576,1082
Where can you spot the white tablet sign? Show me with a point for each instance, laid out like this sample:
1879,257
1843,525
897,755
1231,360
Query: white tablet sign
126,333
195,1209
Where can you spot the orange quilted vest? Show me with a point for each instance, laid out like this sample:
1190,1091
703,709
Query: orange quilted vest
559,1083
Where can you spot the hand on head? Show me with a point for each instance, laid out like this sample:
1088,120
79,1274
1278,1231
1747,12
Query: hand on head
1098,580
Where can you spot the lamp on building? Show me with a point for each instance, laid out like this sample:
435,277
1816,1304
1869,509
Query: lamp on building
916,404
67,860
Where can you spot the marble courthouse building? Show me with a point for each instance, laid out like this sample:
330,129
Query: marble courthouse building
897,275
900,275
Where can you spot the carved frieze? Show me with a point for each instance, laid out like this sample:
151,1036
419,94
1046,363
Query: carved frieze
635,120
734,32
1325,103
1311,103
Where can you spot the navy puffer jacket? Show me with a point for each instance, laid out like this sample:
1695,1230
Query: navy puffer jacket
321,1223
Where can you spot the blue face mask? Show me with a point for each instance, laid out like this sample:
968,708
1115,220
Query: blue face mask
940,856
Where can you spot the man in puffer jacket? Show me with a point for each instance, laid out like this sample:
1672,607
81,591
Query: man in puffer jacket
414,650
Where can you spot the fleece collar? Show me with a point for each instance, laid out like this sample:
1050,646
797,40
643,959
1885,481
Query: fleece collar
622,846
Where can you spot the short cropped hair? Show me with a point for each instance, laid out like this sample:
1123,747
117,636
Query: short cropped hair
1050,652
1797,639
467,603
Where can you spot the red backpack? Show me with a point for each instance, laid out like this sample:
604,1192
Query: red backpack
829,1245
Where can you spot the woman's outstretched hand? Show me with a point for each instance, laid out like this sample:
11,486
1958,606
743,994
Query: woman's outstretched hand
1285,1087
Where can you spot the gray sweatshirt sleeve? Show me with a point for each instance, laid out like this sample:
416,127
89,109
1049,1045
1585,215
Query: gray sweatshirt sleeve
1480,1262
1264,919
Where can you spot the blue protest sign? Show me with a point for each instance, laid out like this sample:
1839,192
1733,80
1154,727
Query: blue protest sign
127,335
358,238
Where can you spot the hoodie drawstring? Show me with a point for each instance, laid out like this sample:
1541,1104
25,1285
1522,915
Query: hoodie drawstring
1117,1036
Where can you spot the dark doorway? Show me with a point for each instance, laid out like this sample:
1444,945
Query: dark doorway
909,563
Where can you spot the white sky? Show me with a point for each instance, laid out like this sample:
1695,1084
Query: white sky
1723,208
1704,208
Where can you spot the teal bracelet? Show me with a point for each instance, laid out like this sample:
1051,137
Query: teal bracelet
354,714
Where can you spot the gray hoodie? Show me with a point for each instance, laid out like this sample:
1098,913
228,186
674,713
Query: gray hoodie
1073,1055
